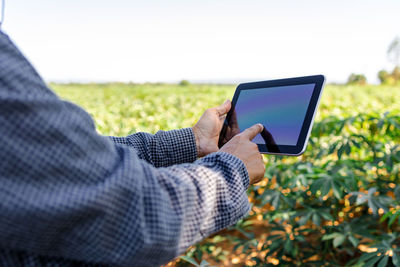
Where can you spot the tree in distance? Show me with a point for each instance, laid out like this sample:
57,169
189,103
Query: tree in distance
393,51
359,79
393,54
184,83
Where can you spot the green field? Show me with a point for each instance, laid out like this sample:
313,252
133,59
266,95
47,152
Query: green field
120,109
338,203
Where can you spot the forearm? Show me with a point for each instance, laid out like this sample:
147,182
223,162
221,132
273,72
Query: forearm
160,211
164,148
214,198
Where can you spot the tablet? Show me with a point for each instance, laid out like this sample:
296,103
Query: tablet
285,107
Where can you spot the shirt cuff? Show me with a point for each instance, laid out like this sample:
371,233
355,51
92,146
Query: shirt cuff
234,201
182,145
235,162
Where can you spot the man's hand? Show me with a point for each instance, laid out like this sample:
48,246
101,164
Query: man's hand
209,126
231,129
242,147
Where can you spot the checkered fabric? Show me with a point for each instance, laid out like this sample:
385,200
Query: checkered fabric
71,197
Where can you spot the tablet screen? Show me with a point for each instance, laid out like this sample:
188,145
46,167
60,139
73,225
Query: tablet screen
280,109
286,108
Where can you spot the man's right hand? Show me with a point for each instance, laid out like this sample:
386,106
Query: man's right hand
242,147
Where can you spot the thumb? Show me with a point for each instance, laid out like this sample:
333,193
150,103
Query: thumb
251,132
224,108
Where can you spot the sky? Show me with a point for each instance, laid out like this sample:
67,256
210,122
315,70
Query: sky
203,40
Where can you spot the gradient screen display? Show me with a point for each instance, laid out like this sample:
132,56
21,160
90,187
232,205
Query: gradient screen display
281,110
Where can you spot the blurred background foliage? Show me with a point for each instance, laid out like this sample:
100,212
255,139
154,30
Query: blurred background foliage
385,77
338,204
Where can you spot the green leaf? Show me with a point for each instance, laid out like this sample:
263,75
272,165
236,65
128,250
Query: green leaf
356,144
336,190
393,217
316,219
387,214
204,263
330,236
384,261
326,187
397,192
288,245
190,260
295,250
332,147
303,220
372,261
327,216
396,260
316,185
339,240
236,247
366,256
300,238
276,201
354,240
348,149
340,152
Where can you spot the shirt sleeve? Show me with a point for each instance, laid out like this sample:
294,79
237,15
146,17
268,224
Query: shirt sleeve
69,193
164,148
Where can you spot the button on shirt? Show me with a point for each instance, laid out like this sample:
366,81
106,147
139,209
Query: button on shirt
70,197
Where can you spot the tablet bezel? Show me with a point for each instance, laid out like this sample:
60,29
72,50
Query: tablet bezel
302,141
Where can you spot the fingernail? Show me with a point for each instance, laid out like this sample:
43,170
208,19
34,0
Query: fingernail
262,126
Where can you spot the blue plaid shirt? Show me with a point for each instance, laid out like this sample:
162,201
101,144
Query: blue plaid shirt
69,196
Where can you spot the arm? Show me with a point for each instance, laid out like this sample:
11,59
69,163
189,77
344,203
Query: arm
87,205
68,192
173,147
164,148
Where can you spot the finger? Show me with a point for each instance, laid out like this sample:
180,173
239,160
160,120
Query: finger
251,132
224,108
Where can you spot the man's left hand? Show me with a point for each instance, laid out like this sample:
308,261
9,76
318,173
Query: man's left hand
209,126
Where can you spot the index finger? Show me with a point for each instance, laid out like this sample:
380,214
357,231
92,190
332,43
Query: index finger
251,132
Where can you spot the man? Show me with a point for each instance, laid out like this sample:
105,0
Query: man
70,197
